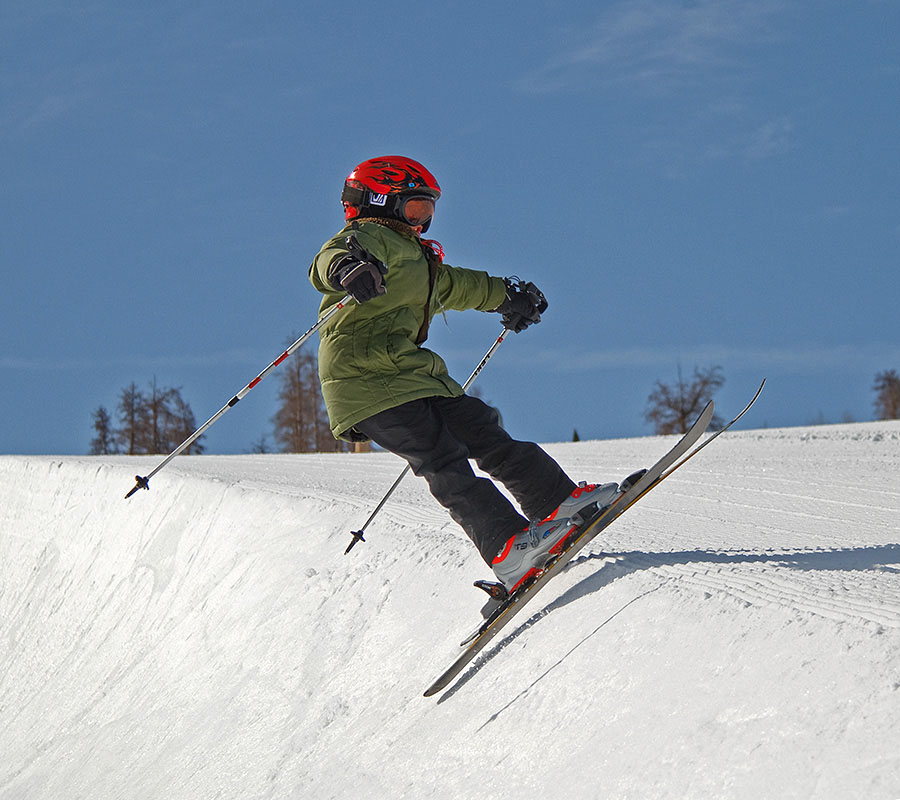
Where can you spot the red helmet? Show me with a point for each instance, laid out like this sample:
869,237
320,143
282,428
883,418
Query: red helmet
391,187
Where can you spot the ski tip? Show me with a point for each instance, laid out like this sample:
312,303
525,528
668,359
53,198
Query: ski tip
750,404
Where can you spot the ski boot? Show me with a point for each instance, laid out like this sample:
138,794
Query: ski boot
525,554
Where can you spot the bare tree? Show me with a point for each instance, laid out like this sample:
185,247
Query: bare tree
180,423
260,445
151,423
672,408
104,442
295,419
301,422
887,395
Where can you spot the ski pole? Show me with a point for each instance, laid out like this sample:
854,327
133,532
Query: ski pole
144,482
358,535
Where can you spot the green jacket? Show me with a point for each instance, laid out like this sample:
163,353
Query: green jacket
370,354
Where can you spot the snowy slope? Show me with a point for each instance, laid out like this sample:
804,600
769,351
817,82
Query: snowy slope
735,635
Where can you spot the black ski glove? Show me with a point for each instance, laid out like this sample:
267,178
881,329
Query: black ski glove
358,273
523,306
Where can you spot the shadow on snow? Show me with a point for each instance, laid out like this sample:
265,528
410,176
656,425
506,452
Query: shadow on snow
881,557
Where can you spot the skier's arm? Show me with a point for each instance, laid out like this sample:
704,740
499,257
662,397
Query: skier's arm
520,304
459,289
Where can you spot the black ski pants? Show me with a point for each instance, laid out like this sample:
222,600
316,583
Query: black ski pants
438,435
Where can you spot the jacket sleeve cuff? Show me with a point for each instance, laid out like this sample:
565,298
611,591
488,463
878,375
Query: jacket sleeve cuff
497,294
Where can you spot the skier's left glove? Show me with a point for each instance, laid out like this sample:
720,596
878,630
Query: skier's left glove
523,306
359,273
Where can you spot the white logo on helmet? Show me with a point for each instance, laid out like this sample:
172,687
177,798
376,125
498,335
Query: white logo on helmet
377,199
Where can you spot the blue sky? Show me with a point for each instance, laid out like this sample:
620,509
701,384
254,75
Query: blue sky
690,183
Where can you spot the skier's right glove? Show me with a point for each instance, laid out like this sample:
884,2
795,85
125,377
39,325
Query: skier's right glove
358,273
523,306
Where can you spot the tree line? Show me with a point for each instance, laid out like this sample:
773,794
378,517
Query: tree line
158,419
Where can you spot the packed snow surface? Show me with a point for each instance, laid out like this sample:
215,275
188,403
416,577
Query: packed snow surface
736,634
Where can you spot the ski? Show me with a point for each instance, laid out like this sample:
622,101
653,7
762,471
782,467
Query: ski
507,609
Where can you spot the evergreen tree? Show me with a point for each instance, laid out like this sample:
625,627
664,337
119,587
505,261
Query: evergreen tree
133,431
104,443
159,412
887,395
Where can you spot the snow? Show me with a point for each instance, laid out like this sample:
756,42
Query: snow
735,635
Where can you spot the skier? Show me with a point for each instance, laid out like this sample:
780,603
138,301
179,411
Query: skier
380,384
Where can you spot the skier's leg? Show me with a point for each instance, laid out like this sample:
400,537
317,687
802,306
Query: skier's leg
417,432
533,478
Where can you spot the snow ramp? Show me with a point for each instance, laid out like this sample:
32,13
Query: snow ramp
735,635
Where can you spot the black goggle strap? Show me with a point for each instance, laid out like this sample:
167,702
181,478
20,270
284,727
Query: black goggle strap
366,198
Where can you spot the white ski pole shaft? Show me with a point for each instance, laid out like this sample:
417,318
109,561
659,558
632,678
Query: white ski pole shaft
358,535
144,482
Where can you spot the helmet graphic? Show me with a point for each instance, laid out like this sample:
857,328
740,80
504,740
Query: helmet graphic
391,187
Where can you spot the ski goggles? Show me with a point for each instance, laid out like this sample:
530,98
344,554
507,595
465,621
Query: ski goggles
416,210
